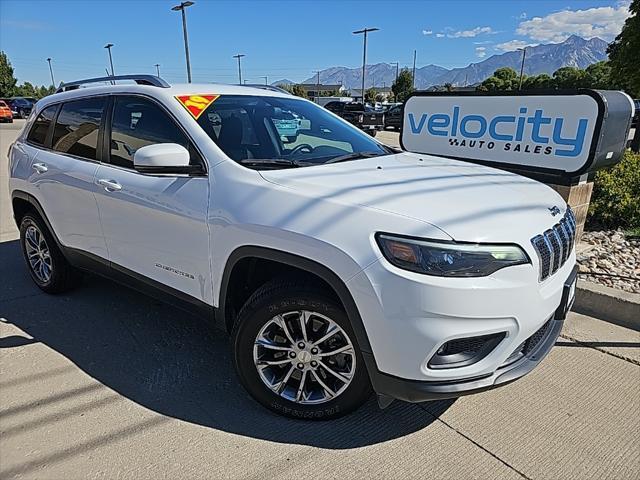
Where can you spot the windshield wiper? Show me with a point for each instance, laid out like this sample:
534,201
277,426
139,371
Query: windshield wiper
269,162
353,156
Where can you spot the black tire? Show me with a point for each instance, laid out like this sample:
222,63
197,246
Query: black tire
62,276
279,297
21,114
373,133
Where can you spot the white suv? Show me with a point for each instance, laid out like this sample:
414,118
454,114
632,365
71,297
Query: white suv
337,264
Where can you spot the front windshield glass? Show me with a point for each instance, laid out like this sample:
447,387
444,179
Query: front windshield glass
275,132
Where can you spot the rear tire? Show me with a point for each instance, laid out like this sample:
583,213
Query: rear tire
293,372
48,268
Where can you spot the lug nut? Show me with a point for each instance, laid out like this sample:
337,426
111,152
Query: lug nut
314,363
301,345
300,366
314,350
292,354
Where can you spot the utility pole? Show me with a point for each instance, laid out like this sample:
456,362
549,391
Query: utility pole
108,47
239,56
524,54
266,79
364,53
317,72
397,68
53,82
157,65
181,8
413,85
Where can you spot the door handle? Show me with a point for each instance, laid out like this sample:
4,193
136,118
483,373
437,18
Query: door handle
110,185
40,167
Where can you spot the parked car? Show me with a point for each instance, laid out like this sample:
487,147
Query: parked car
5,112
338,266
636,115
20,107
393,118
365,118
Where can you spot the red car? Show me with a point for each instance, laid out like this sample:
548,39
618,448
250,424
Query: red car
5,113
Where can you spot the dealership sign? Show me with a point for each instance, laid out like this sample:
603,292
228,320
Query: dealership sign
558,134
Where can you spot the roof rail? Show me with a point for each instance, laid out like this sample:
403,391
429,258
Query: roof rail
139,79
273,88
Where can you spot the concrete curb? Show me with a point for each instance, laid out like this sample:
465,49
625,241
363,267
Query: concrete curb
608,304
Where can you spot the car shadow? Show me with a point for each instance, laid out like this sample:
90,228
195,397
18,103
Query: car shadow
173,362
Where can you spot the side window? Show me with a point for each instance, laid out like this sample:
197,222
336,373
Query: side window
76,129
38,133
138,122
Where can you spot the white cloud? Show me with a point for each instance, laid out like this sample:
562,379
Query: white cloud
522,16
485,42
481,52
427,32
512,45
439,35
603,22
471,33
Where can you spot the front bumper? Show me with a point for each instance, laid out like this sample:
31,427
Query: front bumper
408,390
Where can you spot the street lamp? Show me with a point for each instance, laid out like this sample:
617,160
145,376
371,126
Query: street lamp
364,54
317,72
181,9
397,68
524,54
108,47
53,82
266,79
157,65
239,56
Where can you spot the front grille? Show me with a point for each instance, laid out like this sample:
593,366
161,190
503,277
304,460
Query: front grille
555,245
526,347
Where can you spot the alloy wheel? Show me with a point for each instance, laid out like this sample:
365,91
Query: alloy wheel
305,357
38,254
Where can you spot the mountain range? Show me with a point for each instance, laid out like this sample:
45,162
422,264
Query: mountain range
573,52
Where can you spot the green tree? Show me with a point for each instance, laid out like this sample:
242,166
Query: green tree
598,75
569,77
370,95
504,78
538,81
624,53
295,90
7,80
403,85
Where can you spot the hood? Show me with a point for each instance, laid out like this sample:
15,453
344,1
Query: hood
469,202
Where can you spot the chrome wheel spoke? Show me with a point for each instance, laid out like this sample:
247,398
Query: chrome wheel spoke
280,386
282,323
330,333
339,376
301,386
304,317
274,362
272,346
329,393
347,349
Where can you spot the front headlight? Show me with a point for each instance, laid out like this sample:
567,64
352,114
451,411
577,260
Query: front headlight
449,259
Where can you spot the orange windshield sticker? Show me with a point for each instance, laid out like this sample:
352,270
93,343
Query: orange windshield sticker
196,104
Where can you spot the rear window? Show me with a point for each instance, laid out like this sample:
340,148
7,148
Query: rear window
38,133
76,129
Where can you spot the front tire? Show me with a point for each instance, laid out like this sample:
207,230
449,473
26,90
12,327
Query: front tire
48,268
295,352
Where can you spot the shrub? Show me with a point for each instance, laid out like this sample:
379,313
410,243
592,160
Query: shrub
615,202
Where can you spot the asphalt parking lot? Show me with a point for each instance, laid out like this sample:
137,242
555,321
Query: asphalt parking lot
106,383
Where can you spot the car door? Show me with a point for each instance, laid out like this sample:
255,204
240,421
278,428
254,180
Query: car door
154,225
63,145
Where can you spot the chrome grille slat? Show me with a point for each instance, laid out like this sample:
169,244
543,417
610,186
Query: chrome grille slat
555,245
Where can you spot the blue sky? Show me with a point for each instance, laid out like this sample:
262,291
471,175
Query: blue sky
285,39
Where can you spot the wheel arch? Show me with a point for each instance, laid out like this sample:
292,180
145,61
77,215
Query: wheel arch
302,264
22,202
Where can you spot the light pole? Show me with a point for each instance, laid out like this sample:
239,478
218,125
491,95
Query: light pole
108,47
317,72
53,82
157,65
266,79
413,83
181,9
397,64
364,53
524,54
239,56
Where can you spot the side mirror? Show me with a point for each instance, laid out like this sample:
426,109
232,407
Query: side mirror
169,158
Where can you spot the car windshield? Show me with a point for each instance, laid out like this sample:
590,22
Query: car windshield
275,132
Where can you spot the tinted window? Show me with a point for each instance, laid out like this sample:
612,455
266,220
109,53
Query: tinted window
247,128
40,128
138,122
76,130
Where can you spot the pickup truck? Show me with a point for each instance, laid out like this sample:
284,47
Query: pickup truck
359,115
